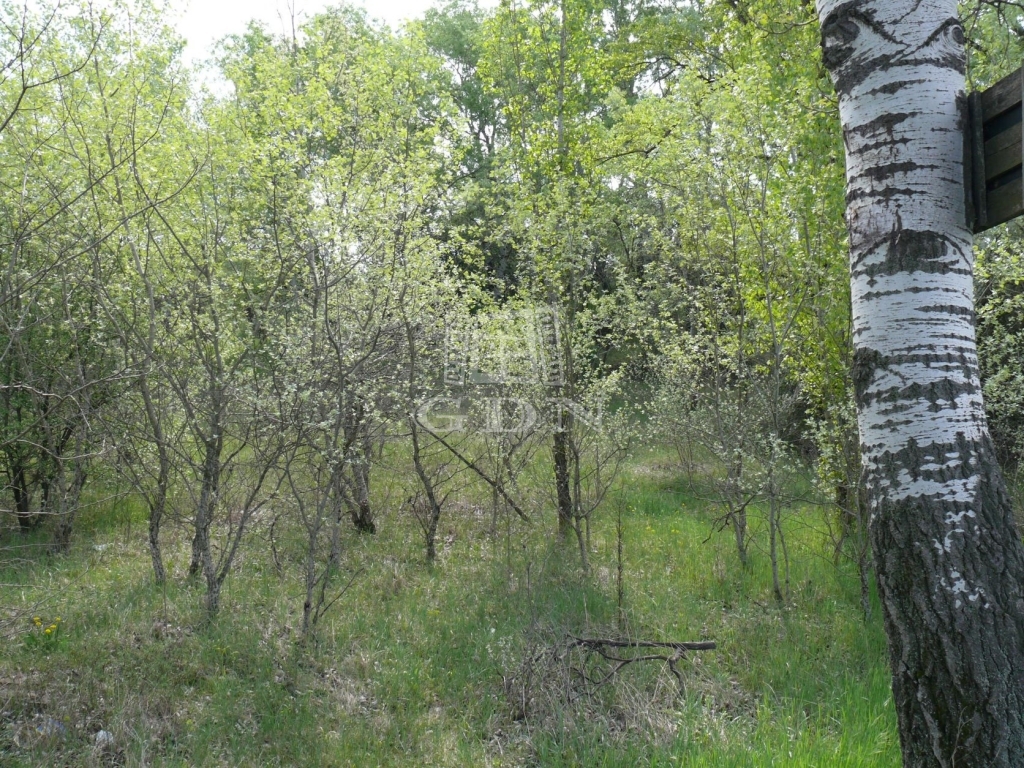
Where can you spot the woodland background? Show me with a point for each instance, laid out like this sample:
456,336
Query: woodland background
338,404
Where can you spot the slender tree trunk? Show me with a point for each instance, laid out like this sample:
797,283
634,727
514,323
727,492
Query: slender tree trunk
156,514
212,590
311,576
560,455
337,514
202,552
154,418
22,496
429,490
739,530
949,561
67,506
433,504
773,547
207,506
363,516
157,509
158,499
560,439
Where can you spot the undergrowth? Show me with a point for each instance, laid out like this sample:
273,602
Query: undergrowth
462,664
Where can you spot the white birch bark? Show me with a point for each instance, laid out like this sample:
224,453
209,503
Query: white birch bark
949,562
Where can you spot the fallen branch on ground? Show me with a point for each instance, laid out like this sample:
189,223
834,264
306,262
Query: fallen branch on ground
607,649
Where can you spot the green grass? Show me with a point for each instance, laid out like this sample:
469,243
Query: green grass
418,666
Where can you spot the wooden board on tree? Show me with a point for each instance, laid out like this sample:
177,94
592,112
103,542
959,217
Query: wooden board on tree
996,157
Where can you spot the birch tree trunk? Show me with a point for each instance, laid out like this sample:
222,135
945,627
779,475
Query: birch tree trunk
950,563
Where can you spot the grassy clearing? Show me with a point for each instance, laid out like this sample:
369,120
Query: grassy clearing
450,666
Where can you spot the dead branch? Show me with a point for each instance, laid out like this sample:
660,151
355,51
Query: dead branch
606,649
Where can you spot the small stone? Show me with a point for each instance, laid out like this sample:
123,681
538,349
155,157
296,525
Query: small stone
50,728
104,739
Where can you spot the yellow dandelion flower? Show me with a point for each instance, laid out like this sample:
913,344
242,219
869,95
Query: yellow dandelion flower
38,621
48,630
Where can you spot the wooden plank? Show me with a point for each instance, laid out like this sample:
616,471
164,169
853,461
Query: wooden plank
1002,122
1002,140
1004,208
1009,156
1006,201
1001,96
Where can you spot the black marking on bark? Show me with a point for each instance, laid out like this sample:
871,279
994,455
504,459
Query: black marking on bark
840,12
928,462
969,453
941,394
886,469
874,295
866,362
943,61
891,88
839,31
947,309
890,144
871,295
882,124
888,170
837,44
969,341
911,250
888,193
963,362
950,271
907,419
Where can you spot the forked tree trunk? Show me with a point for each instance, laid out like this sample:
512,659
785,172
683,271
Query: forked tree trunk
950,563
359,449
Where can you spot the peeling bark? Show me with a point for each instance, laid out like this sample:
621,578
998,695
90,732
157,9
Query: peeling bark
950,563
